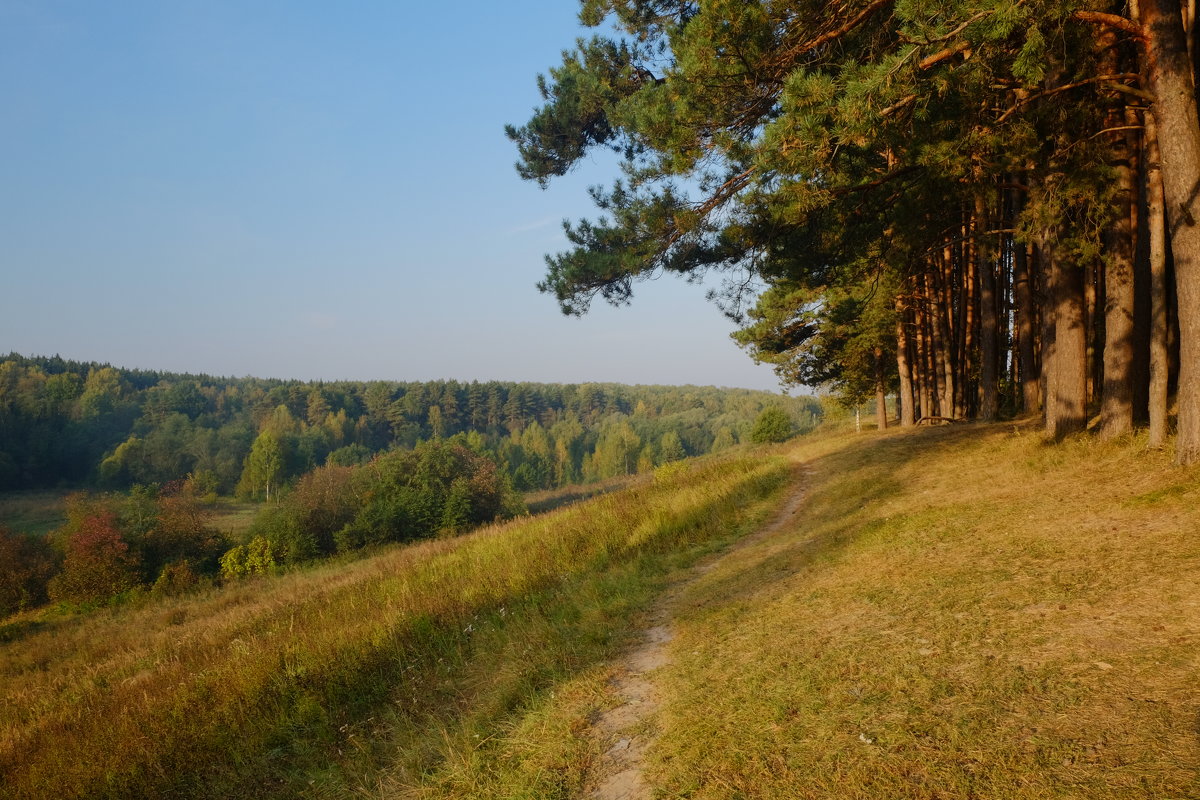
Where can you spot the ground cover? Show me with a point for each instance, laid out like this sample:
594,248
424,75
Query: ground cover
956,613
381,675
31,512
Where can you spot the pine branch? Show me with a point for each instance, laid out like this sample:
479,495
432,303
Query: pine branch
948,36
1065,88
1113,21
836,33
942,55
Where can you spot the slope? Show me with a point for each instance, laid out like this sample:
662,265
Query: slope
958,613
365,674
953,613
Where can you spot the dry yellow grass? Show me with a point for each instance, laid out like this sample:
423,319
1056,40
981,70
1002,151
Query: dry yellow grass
960,613
380,675
956,613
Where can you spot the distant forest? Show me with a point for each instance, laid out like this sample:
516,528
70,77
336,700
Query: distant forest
66,424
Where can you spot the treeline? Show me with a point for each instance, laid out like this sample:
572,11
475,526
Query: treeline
65,423
987,207
159,538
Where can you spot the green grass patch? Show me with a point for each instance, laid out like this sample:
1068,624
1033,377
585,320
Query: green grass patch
35,513
233,518
545,500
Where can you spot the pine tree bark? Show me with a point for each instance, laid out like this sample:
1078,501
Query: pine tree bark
988,324
952,278
1067,374
943,291
924,376
907,417
970,314
1026,319
1116,402
1160,358
1047,372
1174,109
881,420
943,364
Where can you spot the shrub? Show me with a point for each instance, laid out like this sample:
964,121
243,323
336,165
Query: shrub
26,564
175,578
202,485
772,425
98,564
256,557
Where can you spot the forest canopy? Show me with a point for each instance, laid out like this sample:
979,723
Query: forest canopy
70,424
985,206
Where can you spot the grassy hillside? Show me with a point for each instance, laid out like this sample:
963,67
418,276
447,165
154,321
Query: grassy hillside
954,613
960,613
963,612
360,675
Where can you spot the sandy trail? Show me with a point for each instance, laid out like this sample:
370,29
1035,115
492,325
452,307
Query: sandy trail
625,731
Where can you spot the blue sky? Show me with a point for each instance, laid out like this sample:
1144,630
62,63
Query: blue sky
306,190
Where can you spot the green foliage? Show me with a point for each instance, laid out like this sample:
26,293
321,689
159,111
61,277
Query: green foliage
440,486
670,448
824,152
160,428
202,485
349,456
256,557
264,465
1030,63
772,425
109,545
302,525
833,337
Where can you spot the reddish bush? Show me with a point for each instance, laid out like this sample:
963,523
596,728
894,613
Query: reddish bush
98,564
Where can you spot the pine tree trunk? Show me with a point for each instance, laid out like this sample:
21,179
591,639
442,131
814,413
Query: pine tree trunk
1160,358
1093,326
942,362
907,418
1064,342
881,420
952,297
924,378
1006,340
1067,413
1172,84
970,323
988,324
1048,391
1026,319
1116,402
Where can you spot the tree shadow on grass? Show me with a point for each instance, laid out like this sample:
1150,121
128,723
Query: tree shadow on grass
878,459
12,631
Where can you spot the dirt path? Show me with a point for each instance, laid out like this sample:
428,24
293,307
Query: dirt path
625,730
